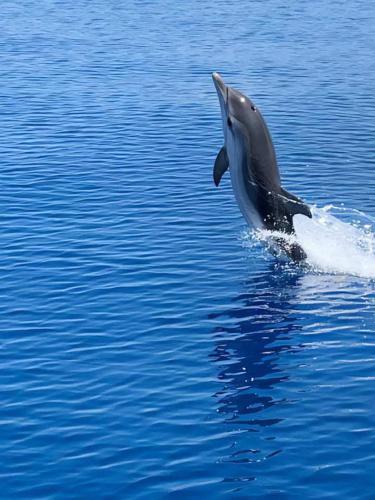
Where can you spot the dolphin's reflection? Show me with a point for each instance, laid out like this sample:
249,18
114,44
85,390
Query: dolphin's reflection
250,340
261,354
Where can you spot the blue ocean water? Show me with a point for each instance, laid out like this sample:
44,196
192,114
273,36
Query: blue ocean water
146,351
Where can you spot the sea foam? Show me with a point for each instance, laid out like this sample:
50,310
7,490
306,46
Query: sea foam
336,240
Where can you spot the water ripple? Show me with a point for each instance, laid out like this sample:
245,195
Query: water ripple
145,351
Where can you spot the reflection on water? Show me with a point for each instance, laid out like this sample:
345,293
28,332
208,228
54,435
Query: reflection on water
248,350
277,353
261,327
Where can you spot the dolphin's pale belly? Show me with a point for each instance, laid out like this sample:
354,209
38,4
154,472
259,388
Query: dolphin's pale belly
244,201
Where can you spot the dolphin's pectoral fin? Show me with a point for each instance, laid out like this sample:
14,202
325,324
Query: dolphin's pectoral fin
221,165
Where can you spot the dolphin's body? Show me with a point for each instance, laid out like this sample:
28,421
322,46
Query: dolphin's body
249,154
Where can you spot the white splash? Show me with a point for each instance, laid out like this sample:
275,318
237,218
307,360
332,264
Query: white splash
345,246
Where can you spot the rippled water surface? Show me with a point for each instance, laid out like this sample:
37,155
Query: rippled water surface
147,351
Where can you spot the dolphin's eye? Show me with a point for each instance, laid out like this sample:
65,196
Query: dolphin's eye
229,122
253,107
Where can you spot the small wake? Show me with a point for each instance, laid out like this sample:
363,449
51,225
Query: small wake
336,240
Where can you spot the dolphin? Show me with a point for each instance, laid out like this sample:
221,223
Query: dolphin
249,155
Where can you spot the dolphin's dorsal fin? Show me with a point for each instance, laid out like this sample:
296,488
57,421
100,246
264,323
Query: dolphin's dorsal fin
295,205
221,165
278,208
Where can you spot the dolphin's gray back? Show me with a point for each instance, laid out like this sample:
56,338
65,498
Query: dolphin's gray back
262,177
261,156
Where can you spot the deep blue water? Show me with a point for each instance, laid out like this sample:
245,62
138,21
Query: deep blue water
146,352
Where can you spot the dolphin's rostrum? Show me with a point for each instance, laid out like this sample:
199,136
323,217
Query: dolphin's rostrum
249,154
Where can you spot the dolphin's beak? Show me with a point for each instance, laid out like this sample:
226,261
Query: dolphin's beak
221,88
